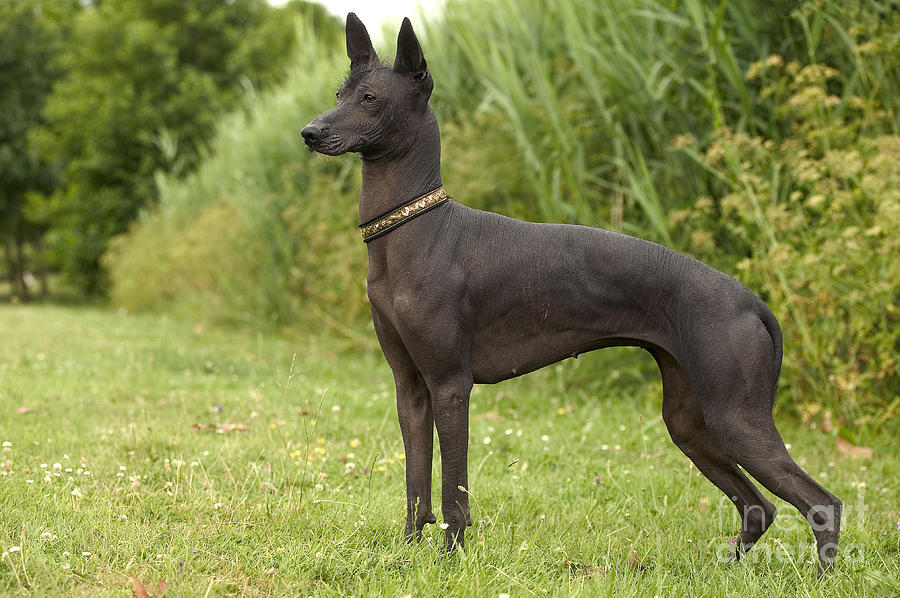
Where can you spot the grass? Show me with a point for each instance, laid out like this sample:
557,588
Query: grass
228,463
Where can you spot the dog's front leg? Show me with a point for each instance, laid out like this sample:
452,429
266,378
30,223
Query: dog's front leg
450,403
417,426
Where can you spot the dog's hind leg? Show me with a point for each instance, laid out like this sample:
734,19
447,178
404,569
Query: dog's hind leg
737,401
684,420
763,454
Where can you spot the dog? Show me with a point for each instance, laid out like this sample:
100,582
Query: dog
461,296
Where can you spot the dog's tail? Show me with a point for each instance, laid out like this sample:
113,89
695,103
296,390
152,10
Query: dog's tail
771,323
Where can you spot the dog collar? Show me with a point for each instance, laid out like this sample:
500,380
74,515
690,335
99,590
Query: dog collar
389,221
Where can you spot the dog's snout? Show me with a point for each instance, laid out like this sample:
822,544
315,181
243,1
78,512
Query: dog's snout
312,132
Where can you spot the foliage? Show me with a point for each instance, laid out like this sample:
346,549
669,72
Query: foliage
264,230
583,97
649,107
145,82
815,222
30,38
213,460
706,126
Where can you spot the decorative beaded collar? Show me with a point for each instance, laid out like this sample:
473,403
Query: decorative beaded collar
389,221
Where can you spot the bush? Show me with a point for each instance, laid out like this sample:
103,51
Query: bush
263,233
142,85
812,222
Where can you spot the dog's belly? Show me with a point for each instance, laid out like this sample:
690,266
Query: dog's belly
493,362
540,311
529,335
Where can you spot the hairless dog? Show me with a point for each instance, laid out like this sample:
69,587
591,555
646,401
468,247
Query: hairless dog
461,296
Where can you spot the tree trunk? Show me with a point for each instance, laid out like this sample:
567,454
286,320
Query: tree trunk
45,285
15,256
11,267
20,258
37,244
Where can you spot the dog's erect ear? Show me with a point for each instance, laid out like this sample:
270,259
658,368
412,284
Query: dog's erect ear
410,59
359,45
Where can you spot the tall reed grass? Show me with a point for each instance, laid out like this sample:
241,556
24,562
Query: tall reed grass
593,93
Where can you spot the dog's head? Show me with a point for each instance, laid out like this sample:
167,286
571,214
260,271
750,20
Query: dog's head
378,107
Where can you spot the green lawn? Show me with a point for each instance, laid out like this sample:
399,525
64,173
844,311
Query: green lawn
229,463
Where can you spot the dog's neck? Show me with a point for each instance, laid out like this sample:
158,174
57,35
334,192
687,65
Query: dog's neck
392,180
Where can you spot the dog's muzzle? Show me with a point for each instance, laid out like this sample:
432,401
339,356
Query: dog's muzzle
319,138
313,133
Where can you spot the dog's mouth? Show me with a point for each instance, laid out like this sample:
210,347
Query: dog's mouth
332,145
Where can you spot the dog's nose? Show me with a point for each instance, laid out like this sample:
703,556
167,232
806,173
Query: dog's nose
312,132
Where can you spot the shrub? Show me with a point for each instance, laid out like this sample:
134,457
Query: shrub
813,223
263,232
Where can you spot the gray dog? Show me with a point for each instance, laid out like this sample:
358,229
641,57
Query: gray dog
460,296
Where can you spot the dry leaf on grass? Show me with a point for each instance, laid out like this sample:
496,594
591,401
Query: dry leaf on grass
853,451
635,561
490,415
585,570
140,590
23,410
221,428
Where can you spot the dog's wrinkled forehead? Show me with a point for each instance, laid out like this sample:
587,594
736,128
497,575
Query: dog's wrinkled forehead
370,71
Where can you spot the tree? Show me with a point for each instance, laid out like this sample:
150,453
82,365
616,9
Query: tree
30,37
145,81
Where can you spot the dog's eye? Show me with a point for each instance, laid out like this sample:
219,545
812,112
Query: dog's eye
337,94
368,98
